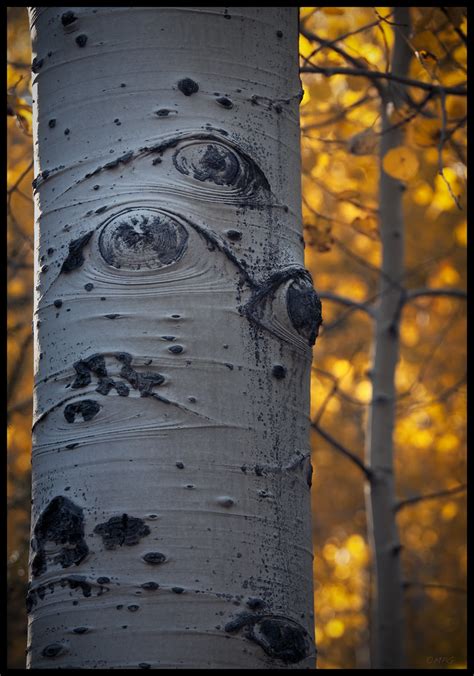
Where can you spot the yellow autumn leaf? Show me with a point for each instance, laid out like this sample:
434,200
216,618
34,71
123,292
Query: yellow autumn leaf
401,163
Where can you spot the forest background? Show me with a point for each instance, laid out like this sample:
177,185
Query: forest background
340,125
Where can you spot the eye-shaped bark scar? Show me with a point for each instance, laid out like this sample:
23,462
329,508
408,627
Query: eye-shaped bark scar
62,522
280,637
218,163
142,238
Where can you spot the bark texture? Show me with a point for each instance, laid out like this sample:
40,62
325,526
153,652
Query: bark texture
174,321
386,620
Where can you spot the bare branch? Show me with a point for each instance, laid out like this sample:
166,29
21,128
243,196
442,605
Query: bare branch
429,496
417,293
433,585
348,302
378,75
342,449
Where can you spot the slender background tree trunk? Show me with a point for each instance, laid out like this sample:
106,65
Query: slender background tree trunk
173,330
387,623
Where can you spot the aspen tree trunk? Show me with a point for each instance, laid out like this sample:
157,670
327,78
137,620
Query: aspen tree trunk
387,621
174,321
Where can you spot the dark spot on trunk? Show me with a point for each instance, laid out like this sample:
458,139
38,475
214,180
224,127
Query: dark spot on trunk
75,256
67,132
103,580
234,235
154,558
58,303
70,446
81,40
177,590
255,603
133,608
112,316
225,102
180,465
168,337
188,86
101,210
52,123
279,34
152,586
52,650
304,309
89,286
88,408
62,522
164,112
144,665
68,18
122,530
176,349
80,630
279,372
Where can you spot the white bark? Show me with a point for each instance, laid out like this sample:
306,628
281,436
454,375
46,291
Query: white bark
386,620
174,320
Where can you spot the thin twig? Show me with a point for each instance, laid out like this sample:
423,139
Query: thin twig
429,496
378,75
342,449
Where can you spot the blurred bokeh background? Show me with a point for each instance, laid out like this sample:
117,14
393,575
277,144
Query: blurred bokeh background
340,124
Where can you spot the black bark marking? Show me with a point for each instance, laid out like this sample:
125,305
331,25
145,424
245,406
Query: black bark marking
53,650
154,558
58,303
176,349
279,34
68,18
122,530
280,637
88,408
164,112
177,590
89,286
67,132
52,123
133,607
151,586
61,522
77,582
103,580
179,465
142,240
279,372
304,309
144,665
75,256
225,102
81,630
234,235
36,64
81,40
188,86
255,603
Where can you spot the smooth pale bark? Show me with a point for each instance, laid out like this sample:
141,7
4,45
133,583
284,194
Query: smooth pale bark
387,620
173,329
